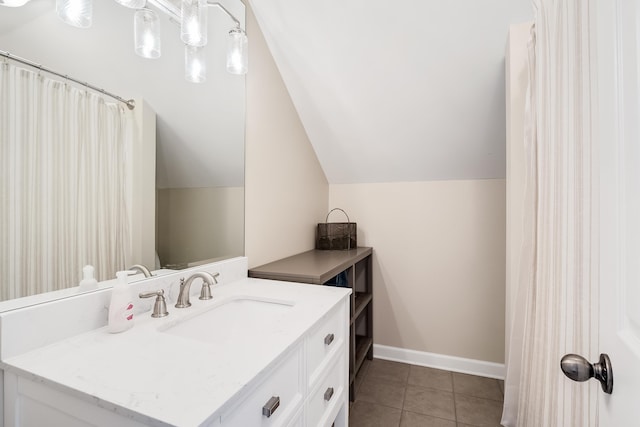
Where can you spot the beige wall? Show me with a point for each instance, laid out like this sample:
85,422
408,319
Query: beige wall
439,246
143,191
439,251
517,80
199,223
286,190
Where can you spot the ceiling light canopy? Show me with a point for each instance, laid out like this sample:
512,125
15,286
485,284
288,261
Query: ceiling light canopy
192,16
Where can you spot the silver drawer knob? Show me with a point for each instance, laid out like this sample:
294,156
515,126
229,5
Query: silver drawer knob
270,407
328,339
328,394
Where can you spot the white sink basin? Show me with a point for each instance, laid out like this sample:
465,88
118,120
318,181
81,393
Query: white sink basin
234,319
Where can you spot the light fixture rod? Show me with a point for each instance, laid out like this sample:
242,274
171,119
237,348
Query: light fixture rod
168,9
174,13
129,103
224,9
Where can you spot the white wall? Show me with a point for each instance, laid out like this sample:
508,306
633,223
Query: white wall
383,87
438,273
286,189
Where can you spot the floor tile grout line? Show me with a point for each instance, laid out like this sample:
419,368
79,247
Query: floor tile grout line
479,397
430,416
379,404
404,399
446,391
455,402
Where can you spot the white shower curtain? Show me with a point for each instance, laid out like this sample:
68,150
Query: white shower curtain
556,307
63,183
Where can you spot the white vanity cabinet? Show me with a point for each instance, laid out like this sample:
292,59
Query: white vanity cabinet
309,384
305,384
276,400
31,403
328,369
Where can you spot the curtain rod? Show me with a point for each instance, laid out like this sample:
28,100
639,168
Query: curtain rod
129,103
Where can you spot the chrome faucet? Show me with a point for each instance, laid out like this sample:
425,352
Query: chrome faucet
142,269
185,286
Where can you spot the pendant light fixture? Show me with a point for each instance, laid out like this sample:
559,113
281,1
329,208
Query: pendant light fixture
146,31
132,4
192,15
77,13
193,26
237,55
13,3
195,66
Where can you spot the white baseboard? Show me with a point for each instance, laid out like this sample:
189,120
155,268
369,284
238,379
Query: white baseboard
440,361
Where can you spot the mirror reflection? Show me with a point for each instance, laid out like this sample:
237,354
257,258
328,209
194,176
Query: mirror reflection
194,208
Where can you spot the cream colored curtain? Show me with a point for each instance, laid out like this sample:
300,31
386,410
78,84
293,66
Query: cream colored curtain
556,297
63,183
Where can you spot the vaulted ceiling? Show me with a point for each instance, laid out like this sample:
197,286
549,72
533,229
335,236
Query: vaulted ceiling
403,90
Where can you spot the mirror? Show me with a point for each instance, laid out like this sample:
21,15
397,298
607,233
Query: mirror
199,127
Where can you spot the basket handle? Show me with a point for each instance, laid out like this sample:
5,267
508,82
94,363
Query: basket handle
336,209
348,220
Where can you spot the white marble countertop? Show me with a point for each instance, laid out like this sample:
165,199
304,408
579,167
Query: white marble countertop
161,379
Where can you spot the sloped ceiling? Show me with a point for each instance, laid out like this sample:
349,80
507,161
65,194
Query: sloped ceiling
200,127
403,90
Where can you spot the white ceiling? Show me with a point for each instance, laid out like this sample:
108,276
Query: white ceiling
403,90
200,127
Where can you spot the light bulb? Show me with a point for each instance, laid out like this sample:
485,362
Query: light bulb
13,3
133,4
77,13
146,30
237,52
195,66
193,27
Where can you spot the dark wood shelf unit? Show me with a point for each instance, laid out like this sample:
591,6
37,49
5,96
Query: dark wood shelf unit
318,267
361,302
363,346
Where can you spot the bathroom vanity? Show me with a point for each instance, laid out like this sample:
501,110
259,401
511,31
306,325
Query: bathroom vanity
260,353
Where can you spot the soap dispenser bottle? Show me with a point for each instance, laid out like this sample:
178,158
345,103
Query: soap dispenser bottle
88,282
121,307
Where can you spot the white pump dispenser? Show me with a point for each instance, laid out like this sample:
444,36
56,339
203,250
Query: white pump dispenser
88,282
121,307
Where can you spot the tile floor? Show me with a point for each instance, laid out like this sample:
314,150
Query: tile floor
392,394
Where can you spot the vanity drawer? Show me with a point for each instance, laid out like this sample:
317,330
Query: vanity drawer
279,397
325,341
326,400
298,419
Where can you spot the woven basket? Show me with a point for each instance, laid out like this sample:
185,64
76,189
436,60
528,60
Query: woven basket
336,235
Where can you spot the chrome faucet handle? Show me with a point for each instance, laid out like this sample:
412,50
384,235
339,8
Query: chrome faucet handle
205,291
183,296
160,306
